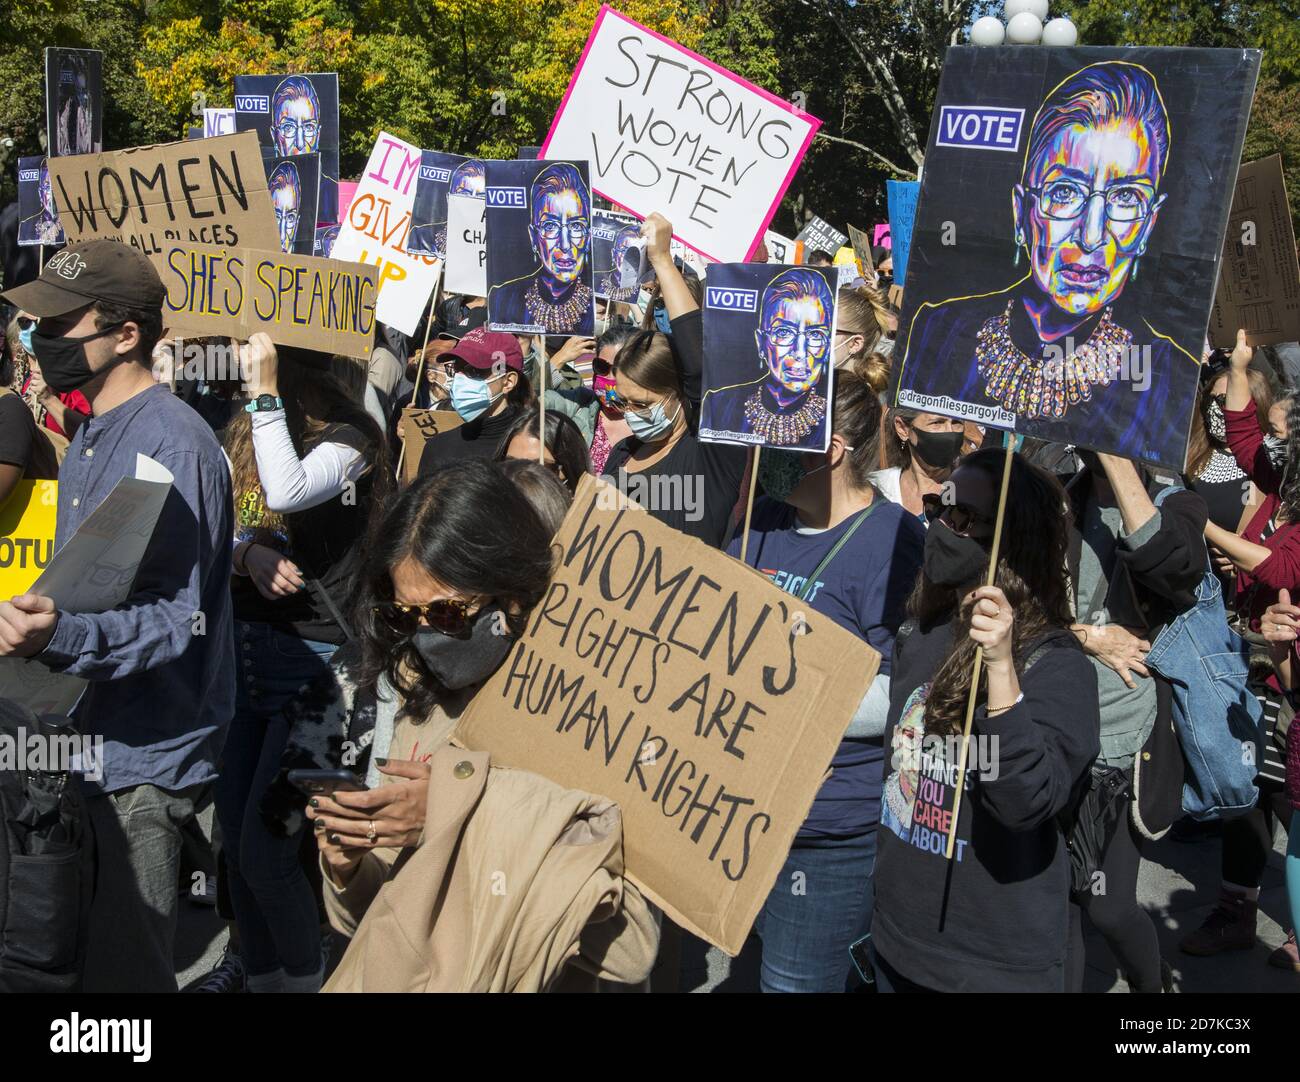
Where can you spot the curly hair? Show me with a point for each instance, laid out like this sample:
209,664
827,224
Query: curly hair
1031,573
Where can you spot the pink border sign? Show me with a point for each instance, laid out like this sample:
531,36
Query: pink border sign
813,121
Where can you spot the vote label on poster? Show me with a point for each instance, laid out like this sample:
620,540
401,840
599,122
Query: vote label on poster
667,130
679,683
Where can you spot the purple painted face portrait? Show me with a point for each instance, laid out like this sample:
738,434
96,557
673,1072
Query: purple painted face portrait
560,225
286,197
467,179
295,117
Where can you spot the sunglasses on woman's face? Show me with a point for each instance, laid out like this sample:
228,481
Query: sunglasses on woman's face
959,517
26,323
449,616
601,368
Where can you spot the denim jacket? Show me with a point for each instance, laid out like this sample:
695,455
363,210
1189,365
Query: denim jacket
1217,717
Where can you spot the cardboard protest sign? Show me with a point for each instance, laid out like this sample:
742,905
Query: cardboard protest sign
93,571
428,234
666,130
1065,251
208,191
862,250
294,184
26,535
1259,281
218,122
618,255
74,101
539,259
466,245
704,700
418,426
292,115
38,221
779,249
324,242
820,236
376,229
299,300
768,333
902,195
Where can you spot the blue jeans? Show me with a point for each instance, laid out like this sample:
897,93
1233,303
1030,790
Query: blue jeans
820,905
275,905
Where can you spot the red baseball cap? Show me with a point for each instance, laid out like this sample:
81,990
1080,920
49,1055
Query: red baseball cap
484,349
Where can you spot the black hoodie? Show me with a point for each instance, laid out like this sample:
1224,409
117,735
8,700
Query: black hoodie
995,918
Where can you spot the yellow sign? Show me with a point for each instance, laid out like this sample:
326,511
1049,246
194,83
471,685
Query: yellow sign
26,535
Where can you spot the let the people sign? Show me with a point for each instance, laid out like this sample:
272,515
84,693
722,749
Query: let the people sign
666,130
670,678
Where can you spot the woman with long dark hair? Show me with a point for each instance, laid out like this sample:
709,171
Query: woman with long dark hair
455,567
566,450
684,483
309,465
836,541
996,916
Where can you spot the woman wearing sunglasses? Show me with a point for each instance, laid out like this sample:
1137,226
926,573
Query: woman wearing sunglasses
921,449
996,916
459,561
684,483
566,450
838,545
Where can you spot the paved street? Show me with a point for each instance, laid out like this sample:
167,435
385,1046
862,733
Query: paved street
1178,886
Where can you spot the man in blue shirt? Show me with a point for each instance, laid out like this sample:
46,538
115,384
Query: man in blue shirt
161,665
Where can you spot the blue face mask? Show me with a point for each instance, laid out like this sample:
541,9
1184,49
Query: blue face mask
662,322
652,428
25,337
470,397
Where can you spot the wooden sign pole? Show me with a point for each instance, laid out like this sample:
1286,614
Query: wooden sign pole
979,650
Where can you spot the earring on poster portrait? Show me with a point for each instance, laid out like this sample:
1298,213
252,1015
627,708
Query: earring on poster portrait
1020,241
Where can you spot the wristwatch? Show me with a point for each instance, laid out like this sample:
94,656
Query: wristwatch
264,403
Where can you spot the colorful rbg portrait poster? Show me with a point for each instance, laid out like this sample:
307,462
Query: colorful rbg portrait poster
38,220
428,234
618,253
294,184
74,101
292,115
768,334
539,248
1066,245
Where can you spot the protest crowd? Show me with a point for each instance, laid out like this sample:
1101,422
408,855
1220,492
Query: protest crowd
361,609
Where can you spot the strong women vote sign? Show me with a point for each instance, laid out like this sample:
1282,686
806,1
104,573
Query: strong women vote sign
1067,240
666,130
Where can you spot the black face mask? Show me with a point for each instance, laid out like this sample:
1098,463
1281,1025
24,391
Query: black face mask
938,449
63,360
458,663
951,559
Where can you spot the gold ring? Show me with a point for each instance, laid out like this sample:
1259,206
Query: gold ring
370,837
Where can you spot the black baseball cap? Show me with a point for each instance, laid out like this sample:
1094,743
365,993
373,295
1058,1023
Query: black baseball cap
110,271
473,319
